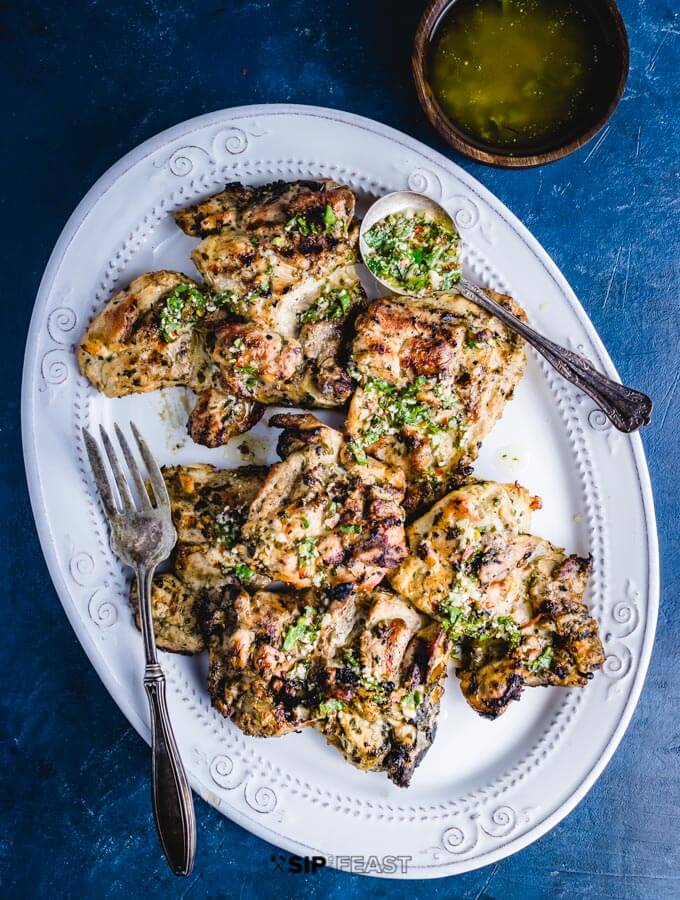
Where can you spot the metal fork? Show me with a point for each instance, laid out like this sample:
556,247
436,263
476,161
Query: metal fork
142,536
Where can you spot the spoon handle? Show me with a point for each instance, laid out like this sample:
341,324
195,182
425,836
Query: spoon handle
626,408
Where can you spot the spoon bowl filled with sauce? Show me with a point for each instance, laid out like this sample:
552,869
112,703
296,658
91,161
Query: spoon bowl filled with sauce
520,82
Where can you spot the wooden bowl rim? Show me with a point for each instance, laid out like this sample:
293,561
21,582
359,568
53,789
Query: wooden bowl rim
457,139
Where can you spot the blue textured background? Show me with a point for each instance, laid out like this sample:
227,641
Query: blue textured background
84,83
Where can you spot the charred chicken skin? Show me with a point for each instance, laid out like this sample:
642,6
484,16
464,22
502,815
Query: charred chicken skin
434,376
512,603
364,668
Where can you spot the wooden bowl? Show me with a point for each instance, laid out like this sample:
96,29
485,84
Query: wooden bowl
616,42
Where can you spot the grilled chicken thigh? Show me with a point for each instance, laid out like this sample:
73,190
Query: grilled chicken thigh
382,691
251,678
266,328
123,351
134,346
322,517
434,376
512,603
365,669
209,507
261,243
217,417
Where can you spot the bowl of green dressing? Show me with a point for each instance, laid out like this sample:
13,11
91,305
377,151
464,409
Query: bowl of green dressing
520,82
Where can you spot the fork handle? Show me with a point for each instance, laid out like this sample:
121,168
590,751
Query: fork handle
173,805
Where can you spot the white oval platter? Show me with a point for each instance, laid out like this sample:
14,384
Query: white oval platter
486,789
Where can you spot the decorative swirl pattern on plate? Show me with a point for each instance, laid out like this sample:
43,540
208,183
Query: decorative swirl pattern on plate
627,612
232,141
221,771
464,836
422,181
617,666
60,323
225,774
183,161
82,567
464,212
619,661
462,209
102,611
262,799
54,366
598,421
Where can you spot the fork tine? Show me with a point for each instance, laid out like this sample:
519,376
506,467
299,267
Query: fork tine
134,469
157,482
121,483
100,476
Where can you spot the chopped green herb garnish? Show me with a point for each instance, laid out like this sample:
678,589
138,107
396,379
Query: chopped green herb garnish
248,374
328,707
307,551
301,225
413,700
379,690
331,306
358,453
182,307
184,304
414,253
350,529
397,408
543,661
475,624
240,570
305,631
329,218
228,525
351,660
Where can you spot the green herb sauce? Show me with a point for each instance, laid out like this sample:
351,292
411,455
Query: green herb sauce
517,74
414,253
184,305
333,304
543,662
478,625
397,408
304,632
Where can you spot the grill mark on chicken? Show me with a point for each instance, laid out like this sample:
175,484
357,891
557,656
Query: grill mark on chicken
321,518
434,376
264,245
512,602
123,352
216,417
249,208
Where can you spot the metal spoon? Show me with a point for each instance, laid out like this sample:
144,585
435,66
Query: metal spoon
626,408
